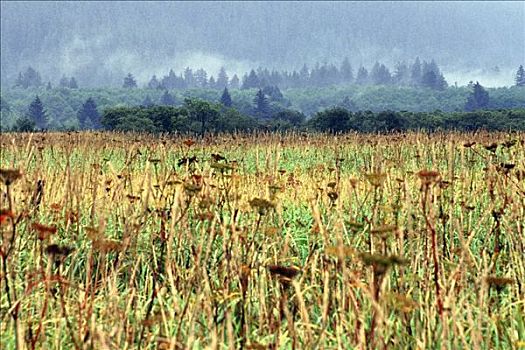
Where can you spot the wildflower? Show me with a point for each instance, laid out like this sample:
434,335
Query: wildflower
189,142
5,215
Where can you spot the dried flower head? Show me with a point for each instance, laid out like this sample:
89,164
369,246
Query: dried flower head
9,176
55,250
6,215
498,283
189,142
43,231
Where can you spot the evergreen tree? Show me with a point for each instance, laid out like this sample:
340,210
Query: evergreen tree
73,83
167,99
222,79
24,124
37,114
148,102
48,86
380,75
274,93
64,82
520,76
30,78
478,98
262,106
275,78
170,81
362,76
211,83
402,74
201,78
347,76
415,72
19,82
88,112
153,83
129,82
304,75
226,99
234,82
188,78
251,81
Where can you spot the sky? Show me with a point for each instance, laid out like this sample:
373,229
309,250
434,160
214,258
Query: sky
99,42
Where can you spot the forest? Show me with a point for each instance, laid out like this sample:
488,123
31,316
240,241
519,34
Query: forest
416,94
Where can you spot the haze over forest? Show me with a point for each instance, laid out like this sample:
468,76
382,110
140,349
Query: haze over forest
100,42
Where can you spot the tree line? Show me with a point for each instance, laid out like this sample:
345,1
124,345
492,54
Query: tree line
199,116
417,74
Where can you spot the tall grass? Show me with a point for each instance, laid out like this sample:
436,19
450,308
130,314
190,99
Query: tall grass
127,241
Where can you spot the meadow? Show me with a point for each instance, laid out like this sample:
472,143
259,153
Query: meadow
267,241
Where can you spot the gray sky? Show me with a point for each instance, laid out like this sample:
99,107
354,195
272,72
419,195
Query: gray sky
98,42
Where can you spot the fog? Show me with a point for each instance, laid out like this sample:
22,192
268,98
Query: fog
99,42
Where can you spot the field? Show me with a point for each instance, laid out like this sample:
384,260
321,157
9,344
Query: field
129,241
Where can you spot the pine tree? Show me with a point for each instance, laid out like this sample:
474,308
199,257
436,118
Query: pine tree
401,75
478,98
415,72
64,82
147,102
153,83
31,78
37,114
251,81
234,82
129,82
226,99
201,78
380,75
520,76
170,81
222,79
19,82
188,78
73,83
48,86
347,76
262,107
362,76
211,83
304,75
167,99
88,112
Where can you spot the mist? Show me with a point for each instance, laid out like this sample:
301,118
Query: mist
100,42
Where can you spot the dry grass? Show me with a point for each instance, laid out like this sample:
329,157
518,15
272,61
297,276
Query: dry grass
112,241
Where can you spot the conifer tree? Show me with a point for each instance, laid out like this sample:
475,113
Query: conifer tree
167,99
478,98
226,99
129,82
88,112
222,79
262,106
520,76
37,114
